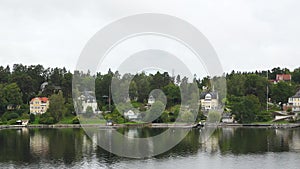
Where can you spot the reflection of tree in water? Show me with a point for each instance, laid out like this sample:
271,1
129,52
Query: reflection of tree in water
15,146
253,140
70,146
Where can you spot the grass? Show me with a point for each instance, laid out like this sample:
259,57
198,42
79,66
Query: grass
84,120
133,122
271,122
67,120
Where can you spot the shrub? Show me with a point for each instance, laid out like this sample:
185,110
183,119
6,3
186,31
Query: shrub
46,118
11,116
12,122
213,117
75,120
187,117
32,118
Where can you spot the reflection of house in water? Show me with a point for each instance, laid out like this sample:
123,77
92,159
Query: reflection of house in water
295,142
132,133
88,100
39,144
210,145
228,132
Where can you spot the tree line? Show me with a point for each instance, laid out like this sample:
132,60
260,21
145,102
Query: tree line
246,92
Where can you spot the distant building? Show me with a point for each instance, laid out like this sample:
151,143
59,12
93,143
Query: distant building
87,100
294,102
13,107
130,115
282,78
151,100
39,105
209,100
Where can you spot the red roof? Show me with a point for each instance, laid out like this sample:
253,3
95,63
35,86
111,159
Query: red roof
43,99
285,77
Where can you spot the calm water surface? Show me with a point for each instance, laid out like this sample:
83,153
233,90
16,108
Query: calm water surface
227,148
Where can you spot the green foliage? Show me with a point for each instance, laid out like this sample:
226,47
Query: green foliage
165,117
245,108
136,104
21,83
187,117
264,116
46,118
115,116
281,91
12,122
214,116
155,112
89,112
173,94
57,107
32,118
75,120
11,115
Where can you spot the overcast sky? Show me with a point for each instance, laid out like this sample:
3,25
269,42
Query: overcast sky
246,34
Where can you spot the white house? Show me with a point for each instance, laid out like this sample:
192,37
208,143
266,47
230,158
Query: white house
151,100
130,115
294,102
209,100
87,100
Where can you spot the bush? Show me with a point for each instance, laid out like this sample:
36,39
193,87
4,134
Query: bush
32,118
213,117
25,116
46,118
75,120
12,122
11,116
187,117
264,116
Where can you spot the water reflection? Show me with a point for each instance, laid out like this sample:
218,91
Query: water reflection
73,147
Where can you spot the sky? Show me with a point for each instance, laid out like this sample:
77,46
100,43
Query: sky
247,35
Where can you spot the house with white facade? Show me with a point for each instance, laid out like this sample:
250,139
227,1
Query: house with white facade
130,115
294,102
151,100
209,101
39,105
88,100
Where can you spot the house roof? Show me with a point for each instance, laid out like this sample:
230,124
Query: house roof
297,95
43,99
86,96
214,95
283,77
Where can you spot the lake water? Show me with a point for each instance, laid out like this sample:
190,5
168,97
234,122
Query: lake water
227,148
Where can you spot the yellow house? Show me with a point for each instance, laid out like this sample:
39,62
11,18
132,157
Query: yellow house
294,101
39,105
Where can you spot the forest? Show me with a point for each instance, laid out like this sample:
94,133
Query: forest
246,93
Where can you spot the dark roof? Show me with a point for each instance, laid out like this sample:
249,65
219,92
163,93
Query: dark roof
214,95
297,95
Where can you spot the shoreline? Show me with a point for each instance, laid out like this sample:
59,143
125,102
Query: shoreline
153,125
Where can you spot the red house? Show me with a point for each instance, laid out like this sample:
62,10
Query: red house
283,77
